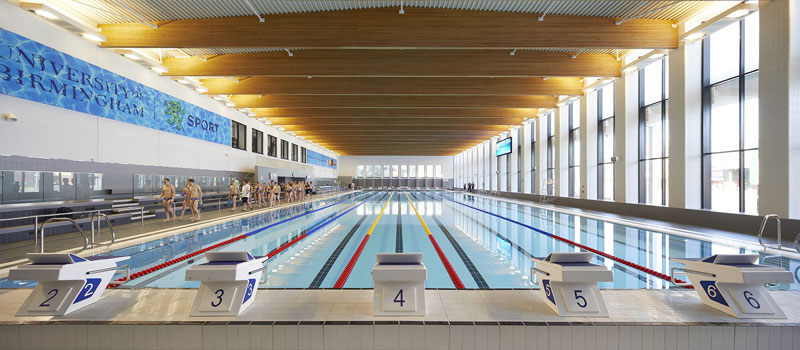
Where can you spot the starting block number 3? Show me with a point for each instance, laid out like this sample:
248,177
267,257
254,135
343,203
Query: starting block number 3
399,299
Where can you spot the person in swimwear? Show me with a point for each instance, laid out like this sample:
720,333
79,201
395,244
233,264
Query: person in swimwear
196,194
187,199
167,197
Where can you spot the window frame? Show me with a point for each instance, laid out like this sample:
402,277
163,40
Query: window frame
551,167
238,135
533,154
573,187
284,150
257,142
664,101
272,146
601,163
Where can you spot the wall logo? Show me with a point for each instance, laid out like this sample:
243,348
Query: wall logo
174,111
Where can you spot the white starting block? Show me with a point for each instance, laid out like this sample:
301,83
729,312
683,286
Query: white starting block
569,283
229,283
399,284
734,284
67,282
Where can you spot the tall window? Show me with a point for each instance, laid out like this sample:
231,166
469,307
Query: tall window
730,118
284,149
420,171
653,133
360,170
551,167
238,135
368,172
294,152
574,152
533,154
272,146
412,171
303,155
519,159
605,143
258,142
438,171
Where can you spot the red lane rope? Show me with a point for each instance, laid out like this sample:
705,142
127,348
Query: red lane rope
352,263
450,270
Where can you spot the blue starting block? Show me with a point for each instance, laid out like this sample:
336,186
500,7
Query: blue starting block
734,284
569,283
67,282
229,282
399,284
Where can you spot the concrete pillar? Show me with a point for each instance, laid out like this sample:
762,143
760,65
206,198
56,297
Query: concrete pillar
589,145
561,150
779,108
626,173
527,179
541,155
685,126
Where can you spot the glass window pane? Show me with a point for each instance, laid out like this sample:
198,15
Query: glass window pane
653,181
608,140
725,182
360,171
751,42
420,171
576,184
653,132
386,172
751,182
377,172
438,173
751,111
412,171
724,53
369,171
652,82
608,101
395,171
404,171
725,116
429,170
576,147
608,182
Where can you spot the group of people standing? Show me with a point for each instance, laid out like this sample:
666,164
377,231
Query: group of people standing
268,194
469,187
192,199
260,194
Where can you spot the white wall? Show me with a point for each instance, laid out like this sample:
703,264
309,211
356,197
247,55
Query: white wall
347,164
45,131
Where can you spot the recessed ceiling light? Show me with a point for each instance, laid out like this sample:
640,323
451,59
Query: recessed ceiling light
218,98
45,14
132,56
695,36
92,37
183,81
159,70
738,13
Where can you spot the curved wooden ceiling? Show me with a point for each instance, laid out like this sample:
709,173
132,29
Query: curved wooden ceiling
431,81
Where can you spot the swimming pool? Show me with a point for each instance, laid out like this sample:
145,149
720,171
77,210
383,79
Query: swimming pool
466,240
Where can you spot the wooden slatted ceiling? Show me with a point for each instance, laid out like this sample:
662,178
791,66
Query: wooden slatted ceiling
393,101
384,28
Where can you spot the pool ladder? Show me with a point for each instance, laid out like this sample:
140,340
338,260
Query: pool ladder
78,227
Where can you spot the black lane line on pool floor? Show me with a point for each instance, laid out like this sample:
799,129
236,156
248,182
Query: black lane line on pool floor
398,246
476,275
323,272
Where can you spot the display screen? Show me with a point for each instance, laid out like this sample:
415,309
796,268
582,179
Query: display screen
503,147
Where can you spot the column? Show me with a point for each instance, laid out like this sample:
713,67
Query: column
561,151
589,145
626,168
685,126
541,155
779,108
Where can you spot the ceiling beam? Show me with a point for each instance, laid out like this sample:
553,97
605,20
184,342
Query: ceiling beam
397,63
430,121
384,28
408,127
392,101
383,113
394,86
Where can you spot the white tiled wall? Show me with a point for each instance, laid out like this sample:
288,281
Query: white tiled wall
403,336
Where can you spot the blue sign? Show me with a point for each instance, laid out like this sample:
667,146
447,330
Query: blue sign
248,292
39,73
548,291
503,147
88,289
315,158
713,292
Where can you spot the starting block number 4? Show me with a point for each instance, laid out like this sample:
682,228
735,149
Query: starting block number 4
399,299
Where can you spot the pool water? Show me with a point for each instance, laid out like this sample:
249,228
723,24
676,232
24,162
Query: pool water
488,243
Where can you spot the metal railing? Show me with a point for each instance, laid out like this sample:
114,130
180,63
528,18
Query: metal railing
761,232
108,223
797,242
115,268
74,223
684,271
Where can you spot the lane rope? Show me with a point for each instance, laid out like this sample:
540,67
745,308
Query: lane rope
234,239
352,263
450,270
576,244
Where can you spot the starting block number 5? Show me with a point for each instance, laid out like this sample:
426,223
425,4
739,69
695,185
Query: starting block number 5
399,299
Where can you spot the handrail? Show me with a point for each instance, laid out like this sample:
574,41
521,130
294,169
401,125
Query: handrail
115,268
684,271
108,223
74,223
764,225
797,242
264,275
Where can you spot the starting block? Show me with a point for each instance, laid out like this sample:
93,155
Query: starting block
229,282
67,282
399,284
569,283
734,284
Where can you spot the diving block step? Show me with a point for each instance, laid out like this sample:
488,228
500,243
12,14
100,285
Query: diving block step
569,283
67,282
734,284
399,284
229,282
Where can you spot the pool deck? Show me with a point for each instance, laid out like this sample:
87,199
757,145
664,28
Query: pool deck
342,319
